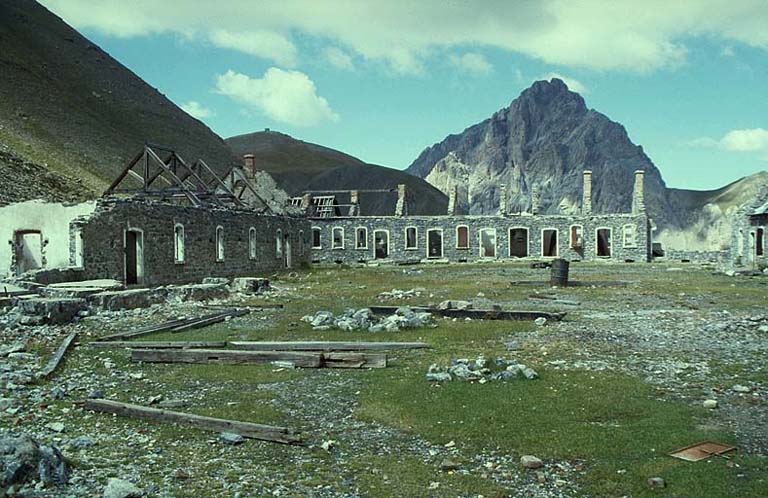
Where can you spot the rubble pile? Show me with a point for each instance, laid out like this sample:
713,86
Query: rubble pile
364,319
403,294
481,370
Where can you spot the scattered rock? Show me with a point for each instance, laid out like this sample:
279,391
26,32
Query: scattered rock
656,482
448,465
531,462
24,460
710,403
541,321
231,438
119,488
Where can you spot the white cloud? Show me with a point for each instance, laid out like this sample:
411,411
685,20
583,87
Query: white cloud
573,84
285,96
264,44
196,110
747,140
471,62
622,35
338,58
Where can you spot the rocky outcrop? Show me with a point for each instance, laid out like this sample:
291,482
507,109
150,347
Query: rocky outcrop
546,137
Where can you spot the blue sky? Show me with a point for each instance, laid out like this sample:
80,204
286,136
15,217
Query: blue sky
384,80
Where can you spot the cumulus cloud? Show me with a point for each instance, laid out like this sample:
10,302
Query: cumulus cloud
574,85
747,140
629,36
264,44
338,58
196,110
471,62
285,96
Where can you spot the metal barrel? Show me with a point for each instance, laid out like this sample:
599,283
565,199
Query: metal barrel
559,276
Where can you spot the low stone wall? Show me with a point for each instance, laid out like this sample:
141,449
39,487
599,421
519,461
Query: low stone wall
395,228
694,256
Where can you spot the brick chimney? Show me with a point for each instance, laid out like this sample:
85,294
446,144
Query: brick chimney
249,165
401,208
638,196
535,199
502,200
586,195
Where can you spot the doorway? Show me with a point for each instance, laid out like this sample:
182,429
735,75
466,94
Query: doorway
380,244
435,243
488,243
134,257
518,242
29,250
287,251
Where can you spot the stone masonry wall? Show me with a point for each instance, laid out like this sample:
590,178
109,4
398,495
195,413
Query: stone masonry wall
396,226
103,236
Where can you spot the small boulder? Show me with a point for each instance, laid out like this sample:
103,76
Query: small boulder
231,438
656,482
119,488
710,403
531,462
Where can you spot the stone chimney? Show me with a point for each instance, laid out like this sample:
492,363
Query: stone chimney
306,204
638,196
354,200
453,198
401,208
535,199
249,165
502,200
586,195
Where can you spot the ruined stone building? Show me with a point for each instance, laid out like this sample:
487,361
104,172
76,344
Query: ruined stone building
341,234
748,244
164,221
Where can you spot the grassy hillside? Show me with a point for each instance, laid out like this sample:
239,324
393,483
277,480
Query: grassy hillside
67,105
299,166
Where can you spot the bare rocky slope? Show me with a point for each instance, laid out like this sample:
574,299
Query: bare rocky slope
69,107
298,166
547,136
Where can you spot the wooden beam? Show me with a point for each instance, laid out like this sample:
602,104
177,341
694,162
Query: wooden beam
178,325
354,360
325,346
158,344
246,429
476,314
53,363
227,356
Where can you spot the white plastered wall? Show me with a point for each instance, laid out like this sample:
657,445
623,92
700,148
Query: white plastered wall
51,219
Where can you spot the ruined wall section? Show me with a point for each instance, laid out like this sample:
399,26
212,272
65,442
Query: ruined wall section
103,241
638,250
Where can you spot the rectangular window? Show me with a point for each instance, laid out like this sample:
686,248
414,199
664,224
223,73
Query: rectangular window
518,242
604,242
178,243
759,237
219,244
302,243
279,244
361,238
628,234
462,237
337,241
577,237
252,243
488,243
435,243
549,243
78,252
316,239
410,238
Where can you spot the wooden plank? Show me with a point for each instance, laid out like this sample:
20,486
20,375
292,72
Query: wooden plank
355,360
158,344
245,429
265,306
53,363
178,325
325,345
228,356
476,314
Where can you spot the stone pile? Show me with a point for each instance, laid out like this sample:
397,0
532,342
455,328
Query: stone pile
481,370
403,294
24,461
364,319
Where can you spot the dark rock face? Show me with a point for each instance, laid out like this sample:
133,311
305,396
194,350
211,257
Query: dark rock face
547,136
23,460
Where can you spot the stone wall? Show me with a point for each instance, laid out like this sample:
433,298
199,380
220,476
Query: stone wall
535,224
104,241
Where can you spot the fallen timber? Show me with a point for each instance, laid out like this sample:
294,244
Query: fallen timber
299,359
326,346
178,325
246,429
158,344
476,314
53,364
